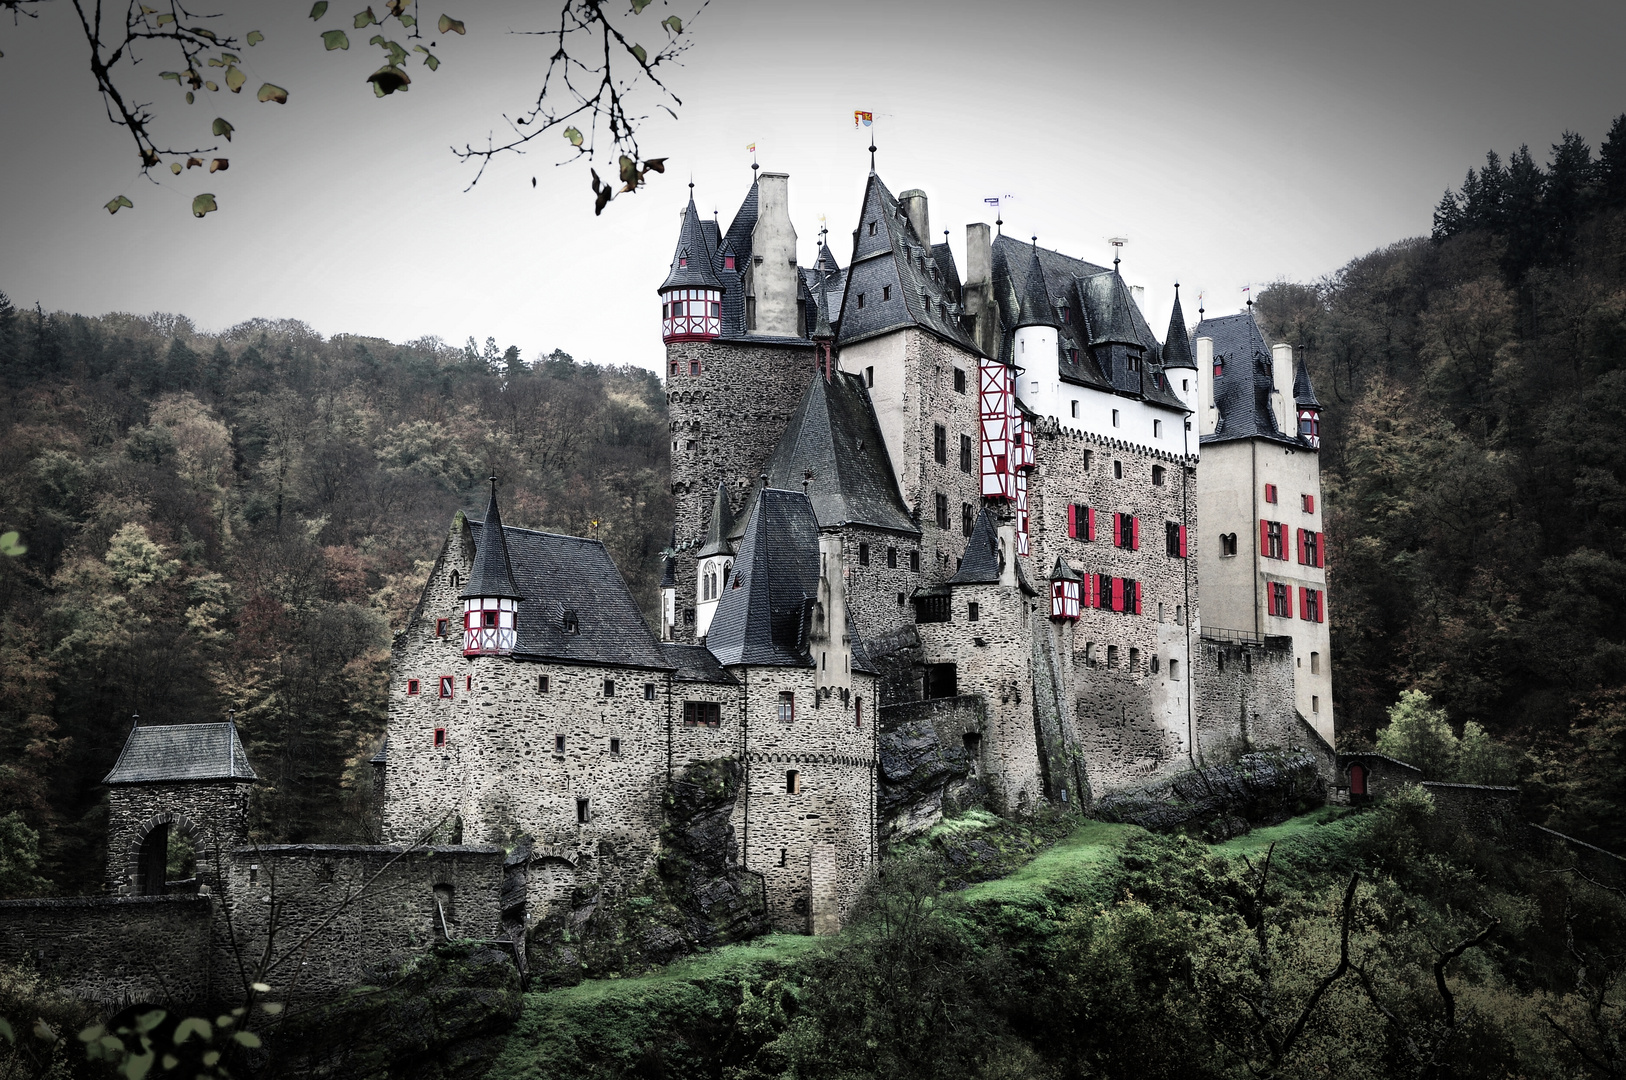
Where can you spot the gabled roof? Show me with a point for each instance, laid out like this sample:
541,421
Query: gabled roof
1177,342
1242,389
492,575
720,526
896,259
692,261
572,574
834,436
981,563
170,753
762,616
1303,392
695,663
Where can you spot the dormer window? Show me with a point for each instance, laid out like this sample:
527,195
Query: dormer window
872,228
571,625
886,293
1066,314
683,260
728,262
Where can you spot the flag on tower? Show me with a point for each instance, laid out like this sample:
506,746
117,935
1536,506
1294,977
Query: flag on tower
864,118
752,147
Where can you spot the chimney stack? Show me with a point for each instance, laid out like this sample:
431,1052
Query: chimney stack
913,202
773,259
979,287
1281,377
1207,415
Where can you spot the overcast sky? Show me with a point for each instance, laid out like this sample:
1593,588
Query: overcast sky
1231,142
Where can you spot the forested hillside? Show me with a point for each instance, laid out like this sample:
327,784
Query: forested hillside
239,522
1474,459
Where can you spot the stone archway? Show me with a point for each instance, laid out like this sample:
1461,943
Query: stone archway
147,860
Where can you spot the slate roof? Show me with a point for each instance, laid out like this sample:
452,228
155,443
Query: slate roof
492,574
719,527
1177,342
981,563
1101,314
383,755
1034,310
737,242
896,258
763,613
692,262
560,574
834,435
1064,571
1242,390
1303,392
695,663
175,752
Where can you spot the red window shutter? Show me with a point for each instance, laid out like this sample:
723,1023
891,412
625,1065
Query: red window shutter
1321,606
1302,558
1118,530
1182,541
1321,549
1264,537
1089,523
1270,598
1117,594
1072,520
1137,597
1134,534
1287,593
1304,602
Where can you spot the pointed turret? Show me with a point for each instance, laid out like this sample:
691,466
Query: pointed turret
713,561
1177,345
722,525
1309,409
1036,309
491,598
692,294
1065,591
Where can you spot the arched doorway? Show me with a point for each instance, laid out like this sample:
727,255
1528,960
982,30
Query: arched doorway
152,863
167,854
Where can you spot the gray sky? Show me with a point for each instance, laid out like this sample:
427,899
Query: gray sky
1231,142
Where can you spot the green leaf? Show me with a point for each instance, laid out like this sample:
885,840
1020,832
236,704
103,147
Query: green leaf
639,5
112,208
449,25
269,92
162,19
176,75
44,1032
246,1038
254,38
235,79
204,33
574,136
231,58
215,61
335,39
388,79
193,1025
149,1020
638,51
430,59
366,18
222,127
318,9
190,97
272,1007
674,22
260,988
137,1066
203,204
407,20
211,1059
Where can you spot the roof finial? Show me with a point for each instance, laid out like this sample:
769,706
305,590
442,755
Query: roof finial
493,487
1117,243
135,720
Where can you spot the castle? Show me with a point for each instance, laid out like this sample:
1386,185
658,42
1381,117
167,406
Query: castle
984,518
895,484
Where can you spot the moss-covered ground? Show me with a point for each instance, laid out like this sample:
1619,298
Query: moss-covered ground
686,1012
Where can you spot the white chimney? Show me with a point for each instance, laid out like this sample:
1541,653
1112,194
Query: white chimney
1281,375
1207,414
773,259
913,202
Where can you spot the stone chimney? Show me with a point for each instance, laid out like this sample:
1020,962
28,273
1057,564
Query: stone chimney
913,202
1281,378
831,648
773,259
1207,414
979,287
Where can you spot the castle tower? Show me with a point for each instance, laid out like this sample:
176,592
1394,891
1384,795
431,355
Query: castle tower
1033,346
731,385
1178,365
1309,409
713,561
490,599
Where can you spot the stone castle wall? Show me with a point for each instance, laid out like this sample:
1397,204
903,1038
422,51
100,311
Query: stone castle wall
113,950
873,590
1245,698
733,413
212,815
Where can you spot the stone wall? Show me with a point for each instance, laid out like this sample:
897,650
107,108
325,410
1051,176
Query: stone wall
211,815
732,413
1476,809
833,757
873,590
343,909
114,950
1245,698
1222,801
930,761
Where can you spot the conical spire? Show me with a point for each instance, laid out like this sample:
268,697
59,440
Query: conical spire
1303,392
691,262
1035,310
1064,572
822,330
1177,346
491,576
722,524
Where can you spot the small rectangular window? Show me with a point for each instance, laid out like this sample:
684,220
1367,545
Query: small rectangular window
872,228
1157,429
541,684
940,444
440,736
1174,670
1114,417
702,714
1315,703
886,292
584,813
1315,663
959,380
891,558
971,611
1134,658
446,686
694,367
1270,493
1157,476
869,376
1227,544
965,453
793,782
860,301
441,626
863,553
728,262
412,686
609,688
967,520
914,561
941,502
649,691
615,747
1309,504
558,744
1075,410
787,706
1117,470
468,682
1112,656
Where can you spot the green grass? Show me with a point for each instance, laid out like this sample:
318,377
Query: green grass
1086,847
1288,833
780,948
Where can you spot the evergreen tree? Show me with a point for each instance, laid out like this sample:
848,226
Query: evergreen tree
1568,194
1521,213
1611,167
1448,216
181,366
217,372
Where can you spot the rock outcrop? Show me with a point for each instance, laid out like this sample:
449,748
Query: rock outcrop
1222,801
